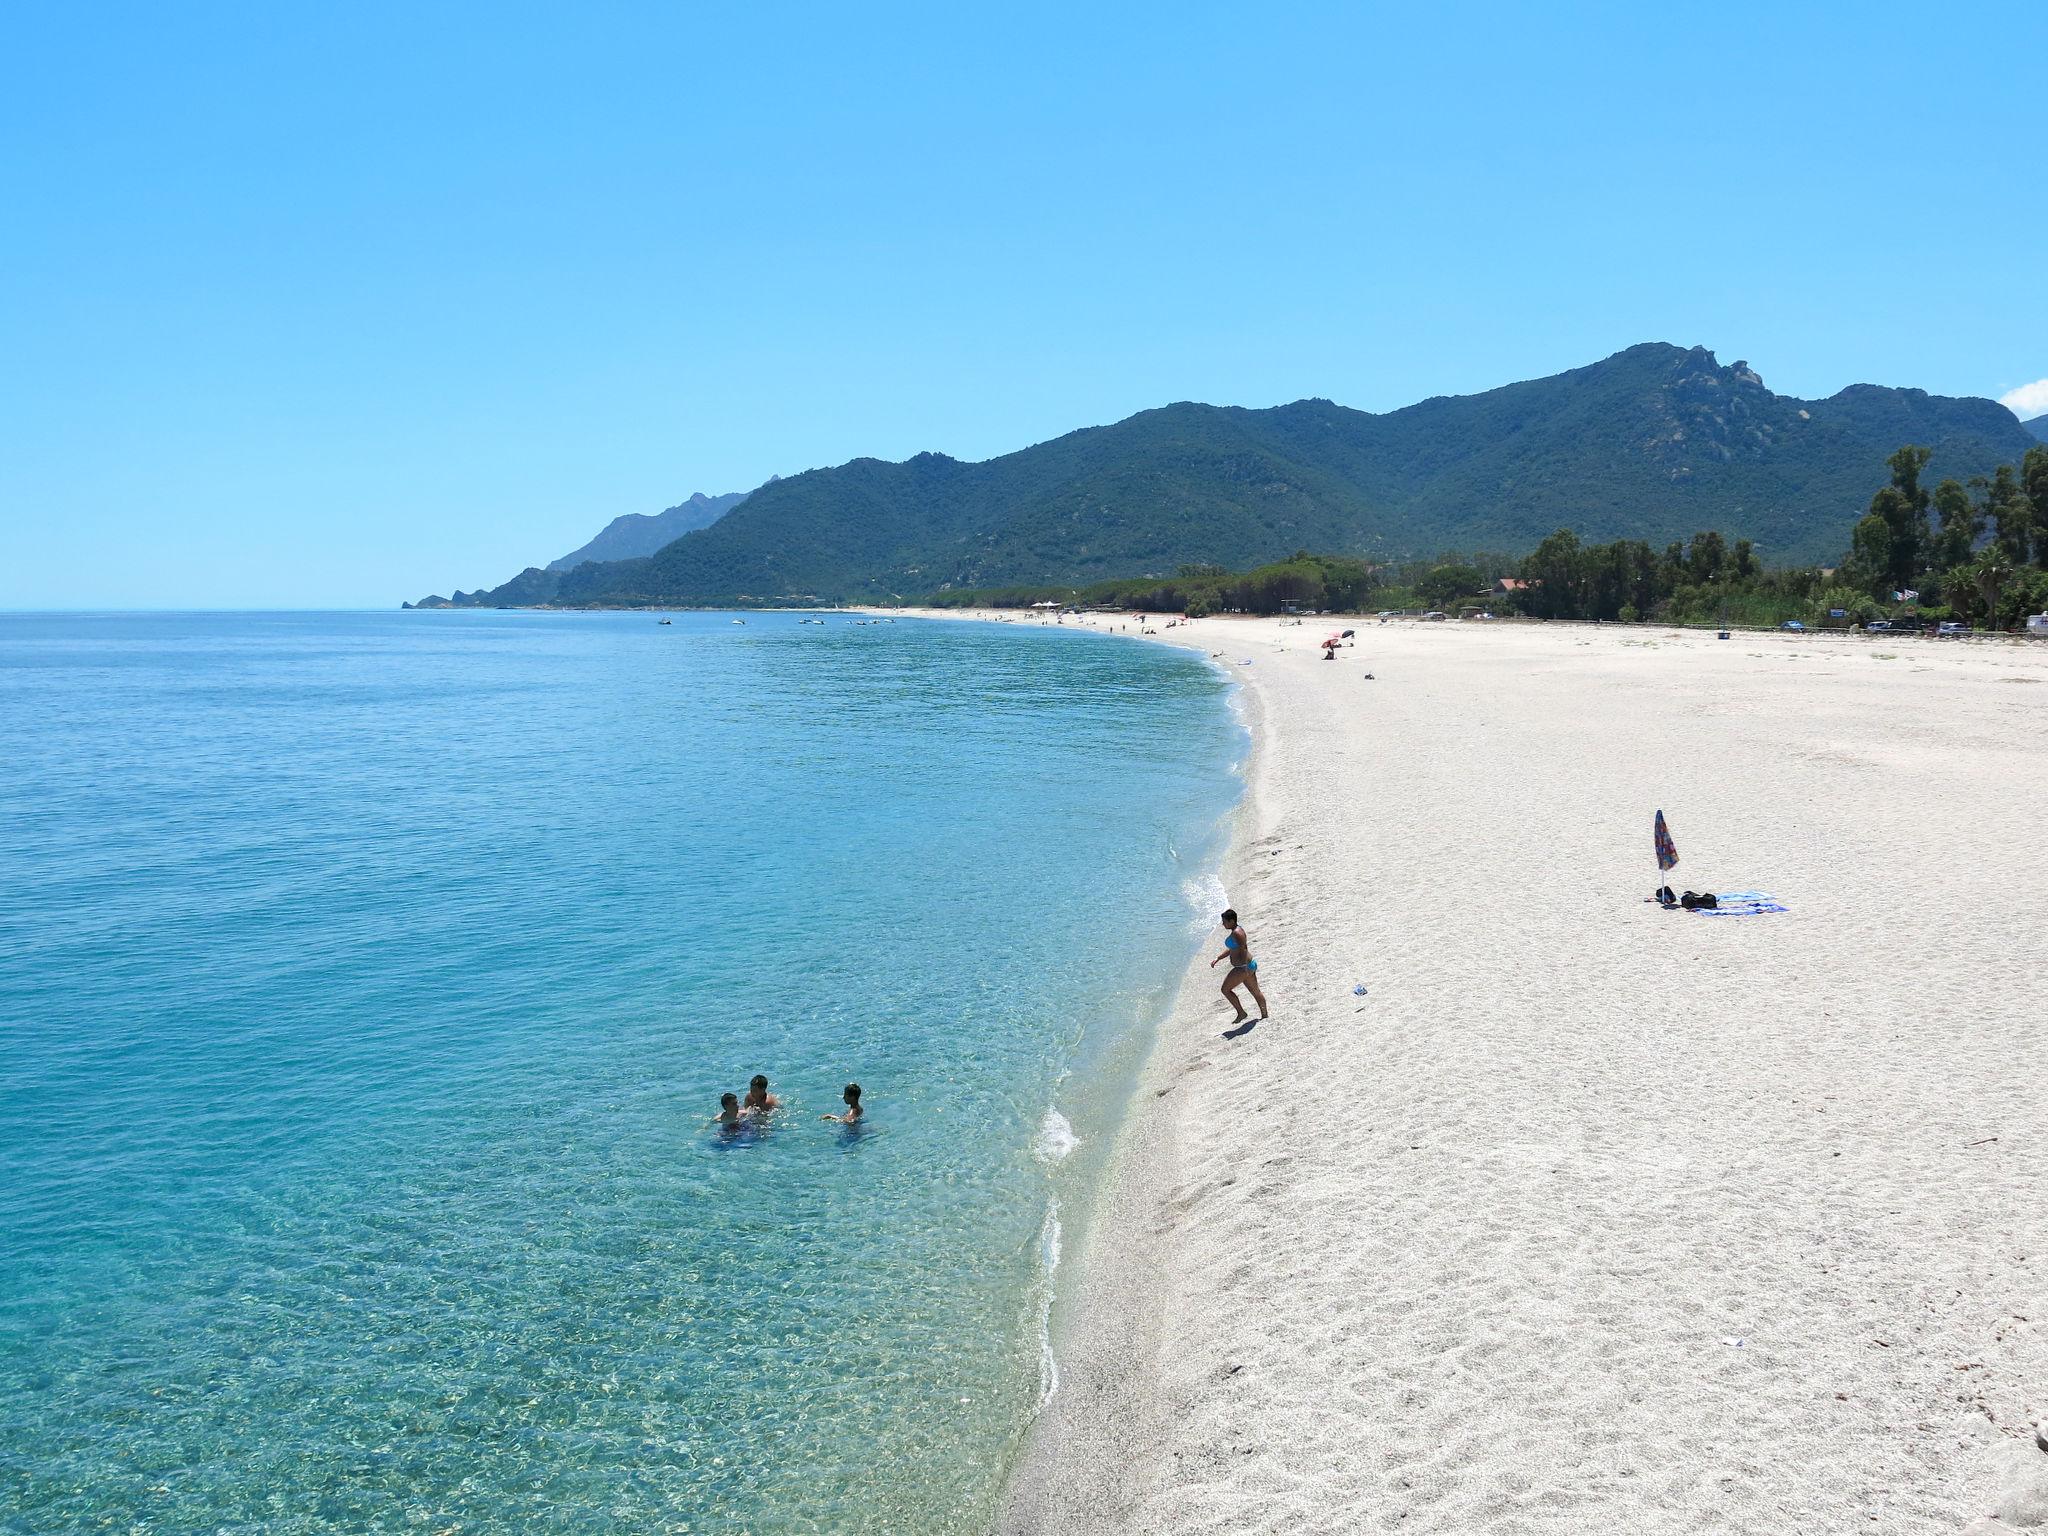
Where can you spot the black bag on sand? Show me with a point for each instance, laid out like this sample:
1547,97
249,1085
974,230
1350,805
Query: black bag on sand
1664,898
1692,901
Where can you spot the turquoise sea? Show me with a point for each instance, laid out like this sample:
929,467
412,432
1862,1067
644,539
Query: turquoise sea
367,980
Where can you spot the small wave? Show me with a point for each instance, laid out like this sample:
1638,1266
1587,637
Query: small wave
1056,1138
1049,1257
1205,896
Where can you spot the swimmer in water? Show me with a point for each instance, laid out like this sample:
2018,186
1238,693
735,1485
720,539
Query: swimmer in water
728,1109
759,1099
852,1115
1244,970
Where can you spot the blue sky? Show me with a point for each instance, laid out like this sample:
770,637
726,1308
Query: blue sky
309,306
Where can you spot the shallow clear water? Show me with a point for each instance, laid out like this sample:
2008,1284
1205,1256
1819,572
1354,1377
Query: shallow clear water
366,982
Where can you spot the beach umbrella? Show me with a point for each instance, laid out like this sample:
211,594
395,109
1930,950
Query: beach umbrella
1667,851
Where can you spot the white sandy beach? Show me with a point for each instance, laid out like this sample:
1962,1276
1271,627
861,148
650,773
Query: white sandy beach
1589,1216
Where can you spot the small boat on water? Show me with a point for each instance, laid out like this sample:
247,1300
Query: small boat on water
739,621
664,621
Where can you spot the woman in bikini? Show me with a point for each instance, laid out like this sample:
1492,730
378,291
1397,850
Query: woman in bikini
1244,970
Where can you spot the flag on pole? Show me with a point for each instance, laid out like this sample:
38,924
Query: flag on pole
1667,851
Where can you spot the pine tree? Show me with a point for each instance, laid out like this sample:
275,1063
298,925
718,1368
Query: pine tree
1962,524
2012,516
1903,506
2034,477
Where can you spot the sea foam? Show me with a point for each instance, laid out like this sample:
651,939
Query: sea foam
1056,1139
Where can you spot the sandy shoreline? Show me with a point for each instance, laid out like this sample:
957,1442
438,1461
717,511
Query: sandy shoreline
1590,1217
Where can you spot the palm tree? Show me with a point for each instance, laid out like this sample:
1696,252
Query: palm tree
1982,581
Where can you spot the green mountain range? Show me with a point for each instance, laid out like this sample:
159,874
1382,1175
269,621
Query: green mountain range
1653,443
2039,427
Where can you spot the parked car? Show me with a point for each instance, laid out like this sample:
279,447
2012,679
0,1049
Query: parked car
1950,627
1878,627
1794,625
1435,615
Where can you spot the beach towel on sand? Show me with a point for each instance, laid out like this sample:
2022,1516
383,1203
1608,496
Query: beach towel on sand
1740,904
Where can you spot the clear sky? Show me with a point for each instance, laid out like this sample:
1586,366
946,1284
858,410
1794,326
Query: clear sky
337,305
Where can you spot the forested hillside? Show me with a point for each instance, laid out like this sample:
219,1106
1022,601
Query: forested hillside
1653,443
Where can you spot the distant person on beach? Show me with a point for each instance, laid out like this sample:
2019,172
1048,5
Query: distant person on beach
1244,970
852,1115
728,1109
759,1099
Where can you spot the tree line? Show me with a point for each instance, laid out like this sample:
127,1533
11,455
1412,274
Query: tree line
1979,550
1302,580
1975,552
1981,557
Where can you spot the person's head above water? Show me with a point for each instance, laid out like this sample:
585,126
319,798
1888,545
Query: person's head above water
760,1083
728,1101
851,1093
1230,917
